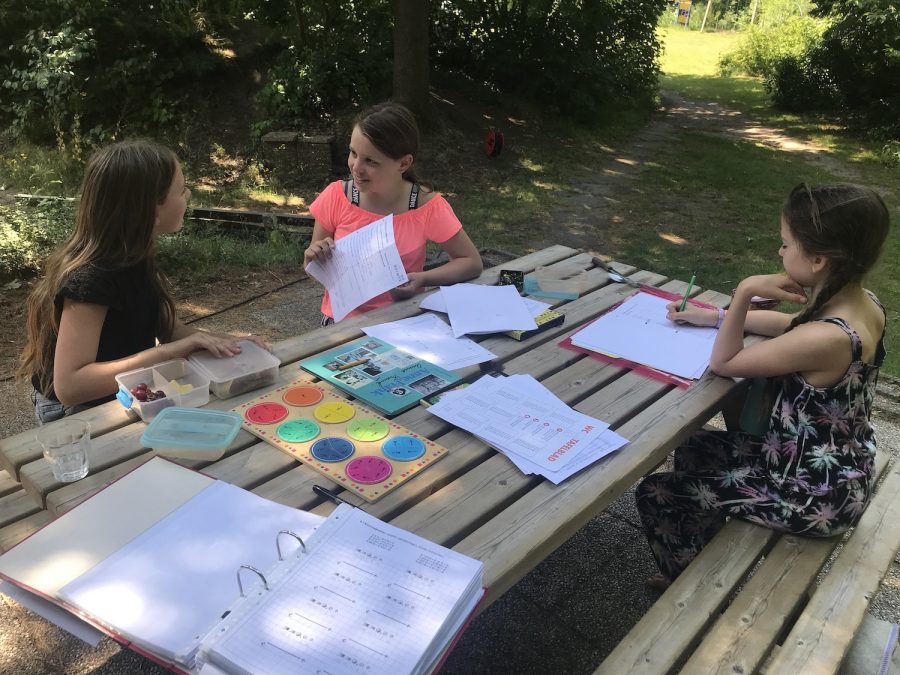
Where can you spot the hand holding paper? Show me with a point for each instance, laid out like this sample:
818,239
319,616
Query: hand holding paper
363,264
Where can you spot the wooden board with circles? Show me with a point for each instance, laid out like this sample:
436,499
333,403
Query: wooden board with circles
347,443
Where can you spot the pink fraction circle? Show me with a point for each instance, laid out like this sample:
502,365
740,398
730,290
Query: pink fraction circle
368,470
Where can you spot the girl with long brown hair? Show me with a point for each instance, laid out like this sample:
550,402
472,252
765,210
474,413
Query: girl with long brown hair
103,304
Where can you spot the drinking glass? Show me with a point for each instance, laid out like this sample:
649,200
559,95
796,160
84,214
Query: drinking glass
65,445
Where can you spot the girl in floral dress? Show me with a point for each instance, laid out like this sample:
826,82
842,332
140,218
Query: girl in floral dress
811,472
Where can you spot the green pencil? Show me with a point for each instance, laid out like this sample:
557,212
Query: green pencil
688,292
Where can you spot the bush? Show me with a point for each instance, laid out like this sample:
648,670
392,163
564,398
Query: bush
27,236
761,49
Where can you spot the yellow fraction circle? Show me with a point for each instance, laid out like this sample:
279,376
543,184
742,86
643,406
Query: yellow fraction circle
334,412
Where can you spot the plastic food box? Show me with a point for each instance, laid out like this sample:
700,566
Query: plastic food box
254,367
179,380
191,433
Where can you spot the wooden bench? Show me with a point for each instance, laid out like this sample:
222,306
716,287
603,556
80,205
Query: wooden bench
750,601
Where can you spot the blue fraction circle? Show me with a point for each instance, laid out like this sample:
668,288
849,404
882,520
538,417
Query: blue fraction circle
403,448
332,449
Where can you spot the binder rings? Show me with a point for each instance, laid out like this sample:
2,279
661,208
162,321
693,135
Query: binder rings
197,574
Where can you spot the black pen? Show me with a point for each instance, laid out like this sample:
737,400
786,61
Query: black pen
328,494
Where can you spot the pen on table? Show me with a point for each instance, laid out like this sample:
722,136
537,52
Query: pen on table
360,362
328,494
688,292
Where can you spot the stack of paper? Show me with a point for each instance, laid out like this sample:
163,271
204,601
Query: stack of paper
477,309
639,331
525,421
429,338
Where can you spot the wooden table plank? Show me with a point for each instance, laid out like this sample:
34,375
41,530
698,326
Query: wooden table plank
15,506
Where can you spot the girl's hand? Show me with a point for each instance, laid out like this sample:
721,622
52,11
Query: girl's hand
773,286
320,250
696,316
218,345
411,287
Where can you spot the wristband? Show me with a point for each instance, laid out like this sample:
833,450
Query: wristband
721,316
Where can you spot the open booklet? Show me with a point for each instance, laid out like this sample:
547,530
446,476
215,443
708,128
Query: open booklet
155,558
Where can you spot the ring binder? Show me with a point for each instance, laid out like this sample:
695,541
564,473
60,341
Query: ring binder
278,541
252,569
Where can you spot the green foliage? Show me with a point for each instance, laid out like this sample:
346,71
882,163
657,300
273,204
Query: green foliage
27,236
573,55
761,49
334,54
83,71
861,50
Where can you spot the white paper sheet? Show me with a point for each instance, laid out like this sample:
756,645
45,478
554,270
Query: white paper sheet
435,303
166,588
519,414
474,308
429,338
53,613
363,264
639,331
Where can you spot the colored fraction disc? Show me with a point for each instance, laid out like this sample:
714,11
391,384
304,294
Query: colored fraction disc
368,470
302,396
298,431
332,449
403,448
266,413
367,429
334,412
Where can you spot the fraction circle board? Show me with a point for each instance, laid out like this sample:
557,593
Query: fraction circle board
403,448
266,413
334,412
368,469
332,449
302,396
367,429
298,431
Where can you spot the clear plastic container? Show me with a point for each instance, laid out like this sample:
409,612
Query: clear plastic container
191,433
253,368
179,380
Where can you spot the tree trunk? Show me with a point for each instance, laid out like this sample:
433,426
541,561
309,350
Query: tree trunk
411,28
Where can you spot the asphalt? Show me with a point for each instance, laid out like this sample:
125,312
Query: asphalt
565,616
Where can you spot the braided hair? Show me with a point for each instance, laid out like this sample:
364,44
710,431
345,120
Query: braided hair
845,223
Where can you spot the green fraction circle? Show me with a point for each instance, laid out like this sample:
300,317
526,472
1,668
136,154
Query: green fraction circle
298,431
367,429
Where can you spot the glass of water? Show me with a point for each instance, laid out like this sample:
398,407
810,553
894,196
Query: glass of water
65,445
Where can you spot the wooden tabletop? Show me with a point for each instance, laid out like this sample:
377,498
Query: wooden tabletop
473,500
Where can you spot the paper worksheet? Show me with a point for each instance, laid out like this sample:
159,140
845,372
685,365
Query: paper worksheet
431,339
474,308
519,414
639,331
364,264
435,303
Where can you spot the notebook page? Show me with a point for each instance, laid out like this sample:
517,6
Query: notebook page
168,587
369,597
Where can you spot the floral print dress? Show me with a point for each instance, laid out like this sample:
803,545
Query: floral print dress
811,473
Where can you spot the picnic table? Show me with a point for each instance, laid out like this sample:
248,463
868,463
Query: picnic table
474,500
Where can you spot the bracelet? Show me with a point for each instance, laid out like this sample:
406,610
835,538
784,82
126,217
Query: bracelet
721,316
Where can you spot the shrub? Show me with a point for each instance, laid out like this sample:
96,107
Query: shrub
760,50
27,236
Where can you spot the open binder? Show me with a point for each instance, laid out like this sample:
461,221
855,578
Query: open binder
185,569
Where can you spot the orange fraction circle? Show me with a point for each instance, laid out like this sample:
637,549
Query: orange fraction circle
334,412
302,396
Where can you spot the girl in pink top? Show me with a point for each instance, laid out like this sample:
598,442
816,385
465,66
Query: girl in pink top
383,147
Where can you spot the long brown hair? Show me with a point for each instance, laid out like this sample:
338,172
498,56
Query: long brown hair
843,222
123,185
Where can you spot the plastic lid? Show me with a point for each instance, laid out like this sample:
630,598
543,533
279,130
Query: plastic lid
252,359
191,428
